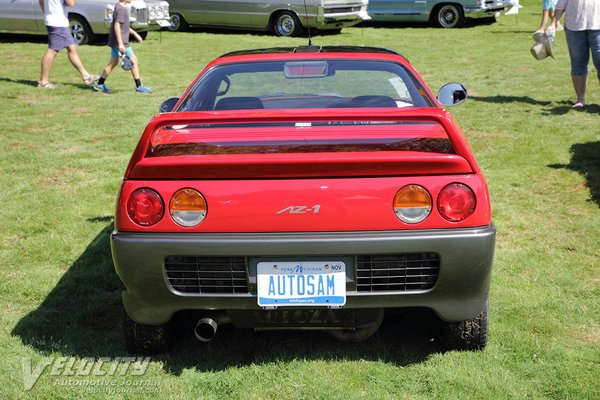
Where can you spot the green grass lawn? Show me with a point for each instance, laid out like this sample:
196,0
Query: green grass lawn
63,153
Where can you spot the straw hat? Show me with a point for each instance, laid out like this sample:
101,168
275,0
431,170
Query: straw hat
542,47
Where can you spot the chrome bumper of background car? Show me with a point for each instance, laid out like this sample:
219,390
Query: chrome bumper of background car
483,12
461,289
337,17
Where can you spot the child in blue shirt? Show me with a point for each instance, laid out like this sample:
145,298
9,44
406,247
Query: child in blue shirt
118,41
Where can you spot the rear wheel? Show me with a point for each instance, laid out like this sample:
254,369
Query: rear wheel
178,23
146,339
449,16
470,334
80,29
287,23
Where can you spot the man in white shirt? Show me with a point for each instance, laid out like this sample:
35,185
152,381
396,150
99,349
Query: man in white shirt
59,37
582,30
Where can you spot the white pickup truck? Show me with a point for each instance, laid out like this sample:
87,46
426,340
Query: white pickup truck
87,18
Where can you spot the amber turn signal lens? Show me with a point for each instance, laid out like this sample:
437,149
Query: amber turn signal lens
412,204
188,207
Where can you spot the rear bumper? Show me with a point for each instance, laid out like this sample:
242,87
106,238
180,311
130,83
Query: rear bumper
460,292
337,17
487,10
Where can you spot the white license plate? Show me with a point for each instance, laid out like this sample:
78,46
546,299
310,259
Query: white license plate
301,283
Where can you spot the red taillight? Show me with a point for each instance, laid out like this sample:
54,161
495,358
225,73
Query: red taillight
456,202
145,207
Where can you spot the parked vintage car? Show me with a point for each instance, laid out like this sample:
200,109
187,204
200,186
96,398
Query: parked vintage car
284,18
442,13
87,18
309,187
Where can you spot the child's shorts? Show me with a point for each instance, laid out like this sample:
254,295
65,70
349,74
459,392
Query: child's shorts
549,4
115,53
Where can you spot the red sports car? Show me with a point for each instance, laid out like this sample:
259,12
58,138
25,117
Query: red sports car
308,187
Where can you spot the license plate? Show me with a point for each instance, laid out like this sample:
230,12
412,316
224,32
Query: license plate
307,283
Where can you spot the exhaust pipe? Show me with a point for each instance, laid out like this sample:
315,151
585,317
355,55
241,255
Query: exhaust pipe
205,329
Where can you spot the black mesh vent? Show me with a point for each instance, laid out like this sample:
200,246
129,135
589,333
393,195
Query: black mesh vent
398,272
207,274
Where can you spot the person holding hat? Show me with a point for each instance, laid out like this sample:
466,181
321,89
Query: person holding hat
582,31
118,41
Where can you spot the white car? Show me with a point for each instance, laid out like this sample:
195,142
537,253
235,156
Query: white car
87,18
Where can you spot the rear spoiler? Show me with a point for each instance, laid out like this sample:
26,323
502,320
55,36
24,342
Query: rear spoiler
384,163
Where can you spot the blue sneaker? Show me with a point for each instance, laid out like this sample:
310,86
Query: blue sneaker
101,88
143,89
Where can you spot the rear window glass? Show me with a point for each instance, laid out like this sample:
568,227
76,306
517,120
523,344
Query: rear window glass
306,84
299,137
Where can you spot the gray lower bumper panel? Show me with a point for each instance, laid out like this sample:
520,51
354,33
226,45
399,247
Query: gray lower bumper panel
460,292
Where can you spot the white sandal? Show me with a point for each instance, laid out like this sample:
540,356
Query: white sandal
47,85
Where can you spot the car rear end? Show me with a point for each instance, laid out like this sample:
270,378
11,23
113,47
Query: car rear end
303,218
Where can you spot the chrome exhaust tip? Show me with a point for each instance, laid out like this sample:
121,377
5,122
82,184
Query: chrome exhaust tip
205,329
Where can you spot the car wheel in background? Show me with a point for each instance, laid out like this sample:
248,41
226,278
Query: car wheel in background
470,334
80,29
143,34
287,23
178,23
448,16
146,339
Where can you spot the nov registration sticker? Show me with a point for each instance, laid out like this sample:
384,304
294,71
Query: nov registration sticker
308,283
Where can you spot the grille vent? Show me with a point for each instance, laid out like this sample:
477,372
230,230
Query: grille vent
207,274
398,272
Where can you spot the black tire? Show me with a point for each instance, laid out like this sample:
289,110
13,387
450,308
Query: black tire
286,23
143,34
178,23
80,29
146,339
470,334
448,16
